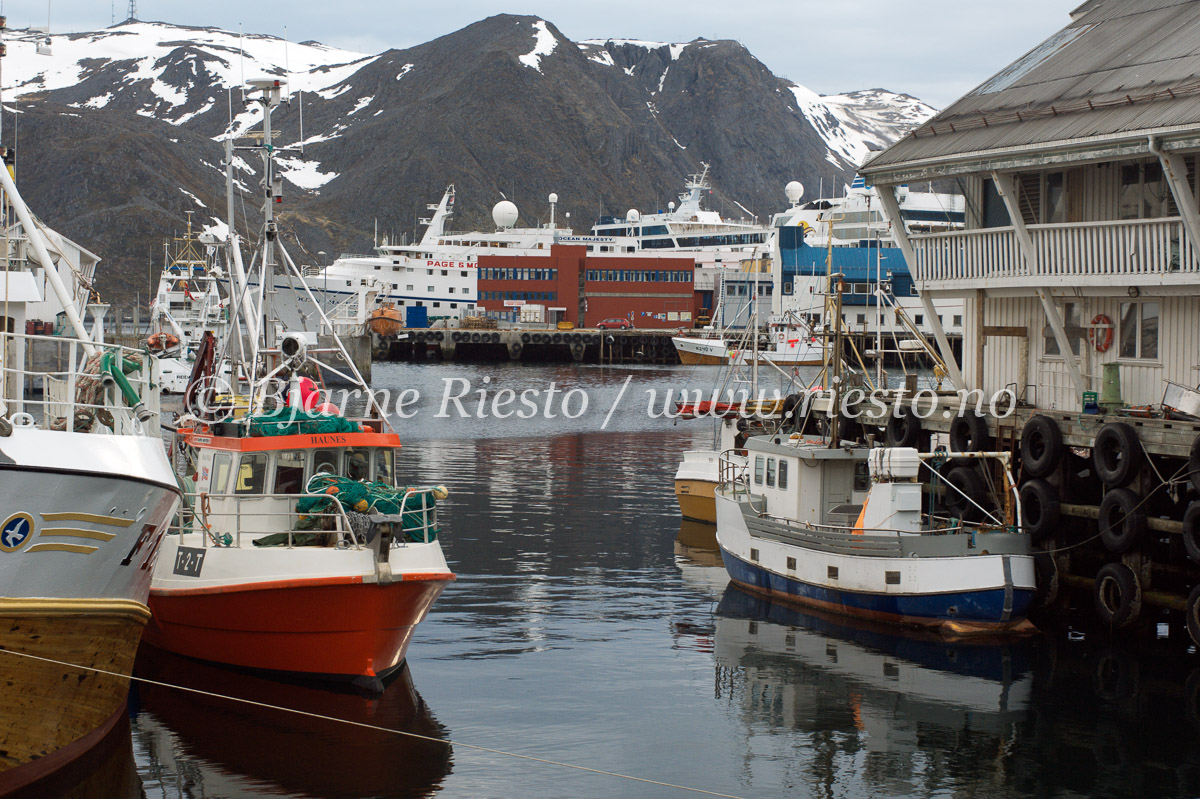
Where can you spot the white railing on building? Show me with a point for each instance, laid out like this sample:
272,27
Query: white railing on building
1083,252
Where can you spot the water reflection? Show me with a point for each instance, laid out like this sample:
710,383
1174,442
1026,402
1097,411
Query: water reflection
193,745
106,770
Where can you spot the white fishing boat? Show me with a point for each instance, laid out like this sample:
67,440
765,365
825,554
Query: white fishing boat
850,530
303,552
792,343
86,494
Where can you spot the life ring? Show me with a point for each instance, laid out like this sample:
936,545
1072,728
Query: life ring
162,341
1103,341
780,339
1117,595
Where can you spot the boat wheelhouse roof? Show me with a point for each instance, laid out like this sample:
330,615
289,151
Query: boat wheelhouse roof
1122,70
206,439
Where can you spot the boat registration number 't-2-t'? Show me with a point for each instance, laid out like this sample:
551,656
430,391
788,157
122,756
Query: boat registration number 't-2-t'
189,561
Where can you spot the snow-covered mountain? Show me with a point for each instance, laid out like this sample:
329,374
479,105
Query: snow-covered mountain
507,106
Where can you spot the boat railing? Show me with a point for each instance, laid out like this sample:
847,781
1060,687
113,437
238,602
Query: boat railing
733,471
54,383
419,522
237,520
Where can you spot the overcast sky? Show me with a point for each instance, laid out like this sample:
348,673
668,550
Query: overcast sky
936,50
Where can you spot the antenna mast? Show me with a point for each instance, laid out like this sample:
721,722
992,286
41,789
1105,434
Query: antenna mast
132,11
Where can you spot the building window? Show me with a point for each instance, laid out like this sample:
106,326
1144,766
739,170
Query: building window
1143,192
919,319
1138,330
437,305
1070,316
957,321
787,288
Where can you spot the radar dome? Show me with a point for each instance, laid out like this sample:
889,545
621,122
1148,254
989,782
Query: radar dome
794,191
504,213
553,197
671,205
632,215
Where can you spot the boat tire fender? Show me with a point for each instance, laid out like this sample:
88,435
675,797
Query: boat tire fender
524,338
969,484
1191,531
903,430
1041,446
1194,464
1192,611
1117,454
1118,596
969,433
1040,509
1121,520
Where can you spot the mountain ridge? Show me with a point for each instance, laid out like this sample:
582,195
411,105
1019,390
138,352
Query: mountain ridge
505,107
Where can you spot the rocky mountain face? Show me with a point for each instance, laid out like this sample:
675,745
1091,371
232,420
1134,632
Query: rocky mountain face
119,132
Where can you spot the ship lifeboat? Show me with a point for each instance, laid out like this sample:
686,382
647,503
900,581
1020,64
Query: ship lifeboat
386,321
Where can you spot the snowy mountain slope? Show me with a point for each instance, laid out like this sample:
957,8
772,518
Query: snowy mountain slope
853,124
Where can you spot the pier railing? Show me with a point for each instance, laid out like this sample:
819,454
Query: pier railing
1126,252
52,382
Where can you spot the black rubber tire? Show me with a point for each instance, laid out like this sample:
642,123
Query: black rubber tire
1117,595
1194,464
1040,509
1191,531
969,433
455,336
1041,446
788,411
1117,454
1122,523
1192,613
439,336
1045,570
903,430
537,338
524,338
967,480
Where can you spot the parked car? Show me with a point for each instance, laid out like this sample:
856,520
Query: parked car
614,324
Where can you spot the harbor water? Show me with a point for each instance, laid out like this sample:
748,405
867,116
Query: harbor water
590,627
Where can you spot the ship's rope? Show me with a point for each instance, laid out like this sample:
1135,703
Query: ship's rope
377,728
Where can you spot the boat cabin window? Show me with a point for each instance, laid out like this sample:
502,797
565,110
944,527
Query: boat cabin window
289,473
252,474
782,473
325,460
771,472
758,469
220,473
385,466
862,476
358,464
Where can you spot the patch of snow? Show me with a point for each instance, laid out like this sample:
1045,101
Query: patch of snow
661,79
329,94
602,57
677,144
377,113
676,51
219,229
188,117
362,103
404,70
852,124
194,197
305,174
543,45
629,71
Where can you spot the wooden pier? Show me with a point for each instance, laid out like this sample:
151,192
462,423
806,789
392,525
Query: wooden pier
534,346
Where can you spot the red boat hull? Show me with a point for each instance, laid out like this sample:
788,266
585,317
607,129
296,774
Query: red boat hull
329,627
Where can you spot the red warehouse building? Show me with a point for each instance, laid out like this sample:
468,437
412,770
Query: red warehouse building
571,285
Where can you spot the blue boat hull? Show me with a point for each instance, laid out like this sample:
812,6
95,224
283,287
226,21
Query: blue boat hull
962,611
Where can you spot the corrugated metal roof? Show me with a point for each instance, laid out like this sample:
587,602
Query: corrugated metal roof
1122,66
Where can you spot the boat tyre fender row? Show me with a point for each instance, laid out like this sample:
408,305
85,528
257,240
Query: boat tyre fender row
966,493
1118,596
1117,454
1041,446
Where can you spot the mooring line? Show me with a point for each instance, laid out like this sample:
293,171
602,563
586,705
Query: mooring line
375,727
